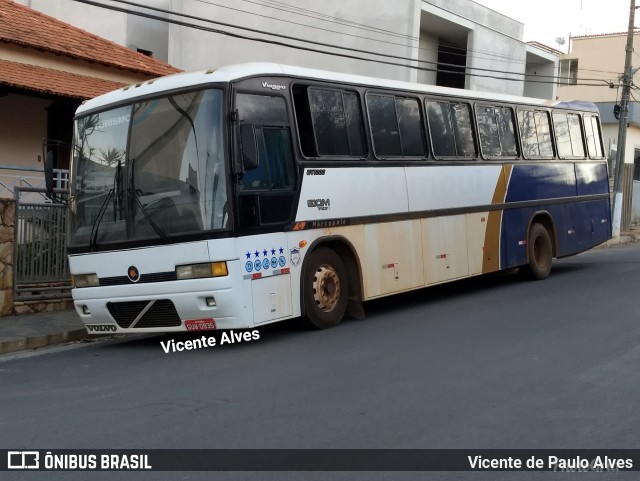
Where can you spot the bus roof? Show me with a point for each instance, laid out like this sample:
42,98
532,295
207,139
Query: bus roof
236,72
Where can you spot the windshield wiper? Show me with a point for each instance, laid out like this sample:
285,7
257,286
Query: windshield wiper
147,216
117,181
93,238
152,223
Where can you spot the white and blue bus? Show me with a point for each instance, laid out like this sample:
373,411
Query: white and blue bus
260,192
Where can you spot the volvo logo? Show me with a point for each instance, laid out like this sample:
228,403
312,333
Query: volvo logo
101,328
133,274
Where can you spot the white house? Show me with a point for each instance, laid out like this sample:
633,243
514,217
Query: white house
456,43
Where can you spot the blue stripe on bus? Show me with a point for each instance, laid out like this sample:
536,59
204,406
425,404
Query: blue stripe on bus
578,226
542,181
592,179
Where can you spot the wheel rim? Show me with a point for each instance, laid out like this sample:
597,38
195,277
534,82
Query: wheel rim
541,252
326,288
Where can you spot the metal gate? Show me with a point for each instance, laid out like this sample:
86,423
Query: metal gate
41,269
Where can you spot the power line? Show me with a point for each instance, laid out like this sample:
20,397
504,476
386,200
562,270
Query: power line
328,18
355,24
301,47
345,22
598,71
300,24
463,51
335,46
322,44
456,66
492,55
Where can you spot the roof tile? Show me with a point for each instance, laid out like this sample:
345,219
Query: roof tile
24,26
50,81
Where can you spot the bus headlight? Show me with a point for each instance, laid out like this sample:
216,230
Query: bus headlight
85,280
198,271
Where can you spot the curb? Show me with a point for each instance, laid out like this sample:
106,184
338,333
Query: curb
620,241
36,342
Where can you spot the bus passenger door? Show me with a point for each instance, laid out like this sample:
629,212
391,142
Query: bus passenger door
265,207
266,189
266,195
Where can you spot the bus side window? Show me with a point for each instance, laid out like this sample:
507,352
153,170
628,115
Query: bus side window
497,132
257,178
592,131
396,126
278,157
303,121
384,126
450,129
336,120
463,130
568,135
543,129
577,143
269,118
507,131
275,163
441,128
411,127
535,133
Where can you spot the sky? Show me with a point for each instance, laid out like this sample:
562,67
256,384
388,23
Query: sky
546,20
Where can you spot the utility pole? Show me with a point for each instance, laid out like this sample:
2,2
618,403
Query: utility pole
627,80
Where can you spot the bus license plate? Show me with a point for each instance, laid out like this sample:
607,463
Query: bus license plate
200,324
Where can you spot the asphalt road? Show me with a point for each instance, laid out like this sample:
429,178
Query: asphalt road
491,362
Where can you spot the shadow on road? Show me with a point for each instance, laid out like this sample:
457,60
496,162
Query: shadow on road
508,279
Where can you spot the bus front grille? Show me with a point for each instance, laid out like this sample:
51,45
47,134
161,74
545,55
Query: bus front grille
159,313
144,279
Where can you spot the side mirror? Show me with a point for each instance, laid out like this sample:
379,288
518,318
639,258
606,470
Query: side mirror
249,146
48,172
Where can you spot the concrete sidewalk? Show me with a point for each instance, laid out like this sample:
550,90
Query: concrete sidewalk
33,331
628,237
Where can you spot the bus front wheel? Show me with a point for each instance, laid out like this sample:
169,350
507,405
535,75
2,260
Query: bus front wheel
325,288
540,253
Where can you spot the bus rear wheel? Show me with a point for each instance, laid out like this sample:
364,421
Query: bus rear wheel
325,288
540,253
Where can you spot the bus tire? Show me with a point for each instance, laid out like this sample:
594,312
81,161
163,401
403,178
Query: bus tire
325,288
539,252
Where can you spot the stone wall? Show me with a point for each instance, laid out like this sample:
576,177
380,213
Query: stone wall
32,307
7,214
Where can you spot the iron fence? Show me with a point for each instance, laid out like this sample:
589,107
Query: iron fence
41,269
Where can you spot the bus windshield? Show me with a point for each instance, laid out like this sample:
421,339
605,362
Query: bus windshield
153,169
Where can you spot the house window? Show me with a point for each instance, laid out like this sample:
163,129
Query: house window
568,72
145,52
636,161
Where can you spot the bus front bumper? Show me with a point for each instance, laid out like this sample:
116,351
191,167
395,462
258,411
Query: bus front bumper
189,305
